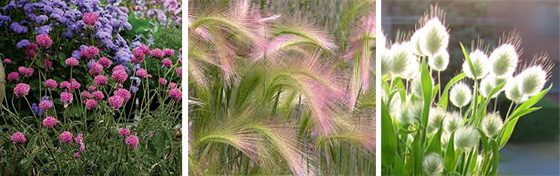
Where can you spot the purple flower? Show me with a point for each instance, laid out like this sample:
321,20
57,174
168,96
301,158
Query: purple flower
36,110
66,137
18,138
41,18
17,28
23,43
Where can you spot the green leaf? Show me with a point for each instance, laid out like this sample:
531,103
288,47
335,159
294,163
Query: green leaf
496,158
449,159
388,137
427,93
435,142
443,100
398,168
471,66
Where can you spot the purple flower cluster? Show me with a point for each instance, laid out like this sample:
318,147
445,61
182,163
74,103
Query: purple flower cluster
76,18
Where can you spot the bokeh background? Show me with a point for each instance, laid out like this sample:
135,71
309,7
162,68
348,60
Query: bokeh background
534,147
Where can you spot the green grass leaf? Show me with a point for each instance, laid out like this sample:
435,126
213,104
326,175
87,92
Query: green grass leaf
444,97
388,137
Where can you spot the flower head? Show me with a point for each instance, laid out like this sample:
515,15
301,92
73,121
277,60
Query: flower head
432,164
51,84
7,61
95,68
179,71
90,18
132,141
66,137
72,62
124,132
76,155
162,81
26,72
82,148
452,122
100,80
105,62
98,95
175,94
141,73
44,40
13,76
514,92
18,138
435,37
79,138
21,89
466,138
503,60
403,62
123,93
49,122
168,52
492,124
46,104
439,61
120,76
66,98
91,104
157,53
479,61
166,62
531,80
460,94
435,119
115,102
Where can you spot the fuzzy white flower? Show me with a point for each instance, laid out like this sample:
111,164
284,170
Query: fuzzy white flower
410,112
435,120
503,60
435,37
439,61
466,138
460,94
403,62
492,124
479,61
487,85
415,42
532,80
385,61
514,92
432,164
452,122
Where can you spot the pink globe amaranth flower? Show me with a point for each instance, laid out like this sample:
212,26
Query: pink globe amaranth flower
18,138
123,93
141,73
49,122
91,88
51,84
179,72
139,54
90,52
75,84
119,68
91,104
85,94
119,76
21,90
144,48
76,155
180,60
46,104
115,102
124,132
47,63
82,148
168,52
166,62
172,85
66,137
65,84
95,68
90,18
157,53
162,81
66,98
132,141
72,62
13,76
105,62
98,95
175,94
100,80
7,61
79,138
26,72
44,40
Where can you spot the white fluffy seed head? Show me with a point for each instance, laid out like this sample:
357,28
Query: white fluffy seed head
514,92
452,122
435,37
503,60
408,114
479,61
417,85
466,138
403,62
532,80
432,164
487,85
385,61
439,61
492,124
435,120
460,94
415,42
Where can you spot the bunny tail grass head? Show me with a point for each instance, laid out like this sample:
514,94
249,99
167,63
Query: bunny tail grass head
435,121
460,94
452,122
403,62
432,164
503,60
433,36
439,61
492,124
466,138
479,62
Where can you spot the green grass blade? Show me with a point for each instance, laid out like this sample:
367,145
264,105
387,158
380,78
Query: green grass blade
444,97
388,137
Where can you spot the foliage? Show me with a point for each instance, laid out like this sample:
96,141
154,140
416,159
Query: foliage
428,129
266,98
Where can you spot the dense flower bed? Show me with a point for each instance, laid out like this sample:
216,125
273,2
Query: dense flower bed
85,99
